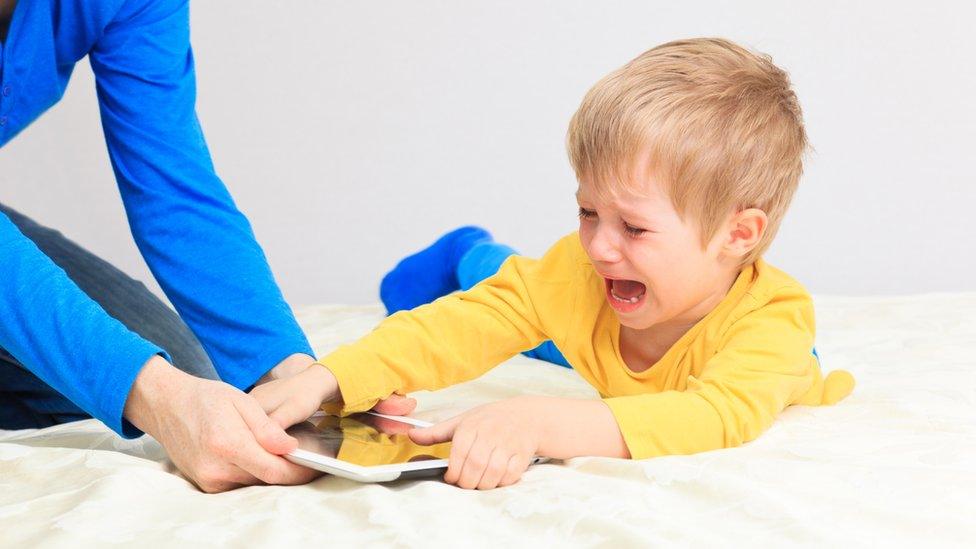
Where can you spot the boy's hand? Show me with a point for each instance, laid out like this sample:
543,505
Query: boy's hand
492,444
294,399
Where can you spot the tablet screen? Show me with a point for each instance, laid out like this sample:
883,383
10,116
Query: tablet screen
365,440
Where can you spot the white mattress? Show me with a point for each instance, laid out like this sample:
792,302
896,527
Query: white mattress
891,464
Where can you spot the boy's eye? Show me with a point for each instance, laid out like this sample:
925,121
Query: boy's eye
633,231
586,214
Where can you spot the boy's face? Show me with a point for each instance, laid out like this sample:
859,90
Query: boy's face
655,271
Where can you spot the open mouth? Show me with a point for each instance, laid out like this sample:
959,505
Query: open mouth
625,295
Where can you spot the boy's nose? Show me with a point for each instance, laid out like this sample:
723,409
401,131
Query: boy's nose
605,245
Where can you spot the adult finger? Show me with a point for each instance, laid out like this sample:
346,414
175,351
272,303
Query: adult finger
248,454
293,411
496,468
266,432
228,477
435,434
269,468
217,486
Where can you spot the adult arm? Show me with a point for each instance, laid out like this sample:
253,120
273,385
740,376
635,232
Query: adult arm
201,250
197,243
216,434
64,337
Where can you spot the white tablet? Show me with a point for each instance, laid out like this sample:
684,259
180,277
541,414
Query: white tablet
367,447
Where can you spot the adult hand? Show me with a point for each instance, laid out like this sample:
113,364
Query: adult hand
294,399
219,437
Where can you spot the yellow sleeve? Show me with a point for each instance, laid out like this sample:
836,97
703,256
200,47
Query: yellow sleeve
460,336
764,364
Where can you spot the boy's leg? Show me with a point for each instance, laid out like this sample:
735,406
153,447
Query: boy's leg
457,261
430,273
481,261
25,400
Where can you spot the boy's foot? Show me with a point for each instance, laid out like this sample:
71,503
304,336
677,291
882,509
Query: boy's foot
429,273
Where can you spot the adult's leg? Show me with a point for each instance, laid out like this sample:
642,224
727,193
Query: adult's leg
456,261
25,400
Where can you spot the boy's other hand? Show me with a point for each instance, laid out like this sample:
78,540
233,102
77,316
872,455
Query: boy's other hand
293,399
492,444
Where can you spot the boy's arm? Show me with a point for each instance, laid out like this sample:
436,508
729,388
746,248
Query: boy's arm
460,336
560,428
578,427
451,340
765,364
492,445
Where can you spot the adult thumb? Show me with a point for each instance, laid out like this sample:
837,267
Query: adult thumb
269,434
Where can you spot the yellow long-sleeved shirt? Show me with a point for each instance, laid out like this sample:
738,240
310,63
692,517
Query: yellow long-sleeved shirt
721,384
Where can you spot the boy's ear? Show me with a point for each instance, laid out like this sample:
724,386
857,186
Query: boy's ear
746,229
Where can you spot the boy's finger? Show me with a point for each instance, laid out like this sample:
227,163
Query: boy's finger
435,434
268,396
396,405
461,444
516,466
474,466
495,470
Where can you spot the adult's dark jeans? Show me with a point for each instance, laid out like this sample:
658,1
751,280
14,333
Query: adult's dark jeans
25,400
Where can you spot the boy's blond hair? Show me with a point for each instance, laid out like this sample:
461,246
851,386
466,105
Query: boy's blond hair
720,125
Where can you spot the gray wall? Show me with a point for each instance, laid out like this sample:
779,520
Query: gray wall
353,132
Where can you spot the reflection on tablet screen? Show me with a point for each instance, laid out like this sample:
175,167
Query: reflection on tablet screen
364,440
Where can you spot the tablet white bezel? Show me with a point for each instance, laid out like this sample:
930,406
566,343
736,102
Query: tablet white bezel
372,473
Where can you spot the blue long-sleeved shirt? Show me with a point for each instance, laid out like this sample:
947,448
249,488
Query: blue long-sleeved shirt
198,245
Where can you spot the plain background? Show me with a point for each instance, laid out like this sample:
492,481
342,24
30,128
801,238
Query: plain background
351,133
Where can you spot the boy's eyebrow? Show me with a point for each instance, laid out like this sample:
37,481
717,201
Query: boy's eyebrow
638,216
580,195
641,217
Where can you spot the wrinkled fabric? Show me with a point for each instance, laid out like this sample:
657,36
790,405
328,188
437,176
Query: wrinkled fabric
889,465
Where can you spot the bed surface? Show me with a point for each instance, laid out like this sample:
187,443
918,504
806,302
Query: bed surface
891,464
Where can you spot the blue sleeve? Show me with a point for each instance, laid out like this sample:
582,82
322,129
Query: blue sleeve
197,243
64,337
